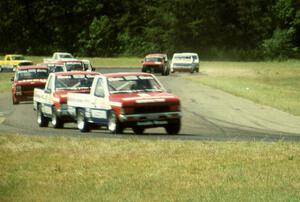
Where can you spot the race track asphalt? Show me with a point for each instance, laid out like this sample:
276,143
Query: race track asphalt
208,114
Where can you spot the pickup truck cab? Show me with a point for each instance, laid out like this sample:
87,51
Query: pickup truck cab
11,62
185,62
126,100
59,57
156,63
50,102
26,79
68,65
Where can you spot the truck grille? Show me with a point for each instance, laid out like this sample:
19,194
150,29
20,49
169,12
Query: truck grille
153,68
151,109
30,88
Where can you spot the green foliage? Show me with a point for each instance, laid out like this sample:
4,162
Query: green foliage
98,39
132,27
280,45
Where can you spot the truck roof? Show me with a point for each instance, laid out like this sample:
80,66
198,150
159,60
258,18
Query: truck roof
184,54
156,55
32,67
74,73
127,74
13,55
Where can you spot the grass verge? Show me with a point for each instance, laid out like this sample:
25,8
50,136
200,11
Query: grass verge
275,84
101,62
88,169
5,82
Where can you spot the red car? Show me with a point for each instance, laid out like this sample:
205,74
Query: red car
156,63
25,80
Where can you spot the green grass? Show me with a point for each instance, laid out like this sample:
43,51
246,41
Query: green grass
5,82
275,84
91,169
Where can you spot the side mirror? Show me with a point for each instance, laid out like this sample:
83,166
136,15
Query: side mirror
48,91
93,69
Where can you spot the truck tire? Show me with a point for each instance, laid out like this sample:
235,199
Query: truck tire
15,100
82,124
138,130
173,128
114,125
41,119
55,120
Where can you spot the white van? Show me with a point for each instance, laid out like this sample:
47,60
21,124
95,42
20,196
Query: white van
185,62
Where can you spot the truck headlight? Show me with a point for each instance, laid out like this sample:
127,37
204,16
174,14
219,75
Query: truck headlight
18,90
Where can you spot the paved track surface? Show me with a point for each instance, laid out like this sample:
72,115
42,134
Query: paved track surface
208,114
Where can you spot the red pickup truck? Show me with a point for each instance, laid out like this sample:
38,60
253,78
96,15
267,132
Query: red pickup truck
50,102
26,79
156,63
126,100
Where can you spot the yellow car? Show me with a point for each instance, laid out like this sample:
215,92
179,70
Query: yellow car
10,62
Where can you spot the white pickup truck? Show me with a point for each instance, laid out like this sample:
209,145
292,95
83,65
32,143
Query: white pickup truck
126,100
59,56
63,56
51,102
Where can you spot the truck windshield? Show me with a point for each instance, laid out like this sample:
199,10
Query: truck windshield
74,66
153,59
126,84
26,74
66,55
17,57
78,81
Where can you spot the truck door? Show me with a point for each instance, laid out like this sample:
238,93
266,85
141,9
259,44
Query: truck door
47,104
101,108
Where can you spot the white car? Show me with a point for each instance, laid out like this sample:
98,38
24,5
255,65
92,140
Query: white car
185,62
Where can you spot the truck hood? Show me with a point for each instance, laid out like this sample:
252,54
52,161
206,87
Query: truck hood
143,98
22,61
152,63
62,95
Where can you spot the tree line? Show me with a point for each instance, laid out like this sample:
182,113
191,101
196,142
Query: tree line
215,29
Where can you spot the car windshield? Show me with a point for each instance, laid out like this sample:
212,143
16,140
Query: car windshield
153,59
77,81
127,84
18,57
26,74
74,66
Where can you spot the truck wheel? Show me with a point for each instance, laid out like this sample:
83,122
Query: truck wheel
41,119
167,71
173,128
15,100
82,124
114,125
56,121
138,130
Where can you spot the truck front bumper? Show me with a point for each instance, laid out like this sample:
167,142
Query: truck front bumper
149,119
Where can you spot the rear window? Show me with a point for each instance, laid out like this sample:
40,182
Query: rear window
26,74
